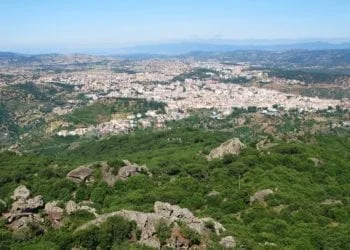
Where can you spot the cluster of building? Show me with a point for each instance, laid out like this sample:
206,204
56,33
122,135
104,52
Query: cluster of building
154,80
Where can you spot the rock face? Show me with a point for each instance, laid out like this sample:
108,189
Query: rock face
27,205
163,212
55,213
228,242
80,174
232,146
23,208
260,196
20,193
129,169
72,206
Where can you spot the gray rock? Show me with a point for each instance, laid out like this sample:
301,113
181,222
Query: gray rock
129,169
260,196
81,174
164,212
55,213
21,193
24,221
331,202
317,162
28,205
228,242
232,146
72,206
213,193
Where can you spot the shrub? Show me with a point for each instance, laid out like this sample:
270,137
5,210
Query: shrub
163,232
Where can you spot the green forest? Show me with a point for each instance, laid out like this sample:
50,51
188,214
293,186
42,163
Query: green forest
296,216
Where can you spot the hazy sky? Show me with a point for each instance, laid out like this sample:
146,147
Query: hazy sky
107,23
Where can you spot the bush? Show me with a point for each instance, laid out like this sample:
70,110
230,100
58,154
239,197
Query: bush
163,232
115,231
191,235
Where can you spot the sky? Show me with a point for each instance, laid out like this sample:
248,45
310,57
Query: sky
118,23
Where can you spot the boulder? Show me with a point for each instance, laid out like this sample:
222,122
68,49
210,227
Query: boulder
260,196
24,221
228,242
129,169
23,206
29,205
21,193
55,213
232,146
173,212
331,202
317,162
81,174
213,193
72,206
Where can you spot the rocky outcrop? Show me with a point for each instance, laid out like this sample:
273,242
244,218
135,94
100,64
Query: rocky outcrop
72,206
27,205
81,174
20,193
232,146
26,210
129,169
163,212
228,242
54,213
23,208
24,221
260,196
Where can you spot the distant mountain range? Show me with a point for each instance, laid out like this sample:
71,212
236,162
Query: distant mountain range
183,47
186,47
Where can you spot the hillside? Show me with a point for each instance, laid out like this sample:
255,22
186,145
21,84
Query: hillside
307,205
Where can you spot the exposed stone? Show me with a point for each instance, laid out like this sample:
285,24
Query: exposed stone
260,196
28,205
21,192
228,242
129,169
232,146
172,212
332,202
107,174
317,162
24,221
177,240
81,174
213,193
55,213
164,212
72,206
